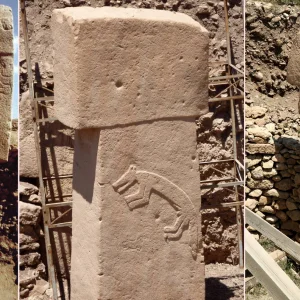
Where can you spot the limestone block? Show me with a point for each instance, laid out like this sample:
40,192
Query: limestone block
133,251
6,80
131,83
117,62
293,69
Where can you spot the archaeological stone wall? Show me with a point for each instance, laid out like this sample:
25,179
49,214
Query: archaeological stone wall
6,73
273,169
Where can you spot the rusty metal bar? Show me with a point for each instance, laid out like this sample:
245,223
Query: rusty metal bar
234,76
46,99
62,215
215,161
226,99
221,185
59,225
59,204
58,177
216,180
221,205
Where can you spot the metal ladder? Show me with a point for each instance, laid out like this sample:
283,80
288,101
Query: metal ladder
233,87
48,202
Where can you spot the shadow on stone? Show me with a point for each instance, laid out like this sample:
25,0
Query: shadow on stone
216,290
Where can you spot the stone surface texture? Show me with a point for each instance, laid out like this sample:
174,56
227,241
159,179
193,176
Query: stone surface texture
136,70
6,79
293,72
274,176
136,232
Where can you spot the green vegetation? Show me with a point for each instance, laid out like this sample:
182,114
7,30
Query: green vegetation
267,244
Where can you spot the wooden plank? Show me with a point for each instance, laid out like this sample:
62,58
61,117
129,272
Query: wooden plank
267,272
277,237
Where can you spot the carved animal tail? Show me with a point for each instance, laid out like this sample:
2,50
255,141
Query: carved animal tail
193,231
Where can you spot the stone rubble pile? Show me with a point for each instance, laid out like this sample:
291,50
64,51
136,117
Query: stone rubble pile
273,169
270,30
32,268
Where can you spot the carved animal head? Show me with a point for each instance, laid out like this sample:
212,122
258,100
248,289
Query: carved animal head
125,180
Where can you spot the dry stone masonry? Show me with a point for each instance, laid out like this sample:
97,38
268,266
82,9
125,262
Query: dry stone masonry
32,270
6,73
273,169
143,80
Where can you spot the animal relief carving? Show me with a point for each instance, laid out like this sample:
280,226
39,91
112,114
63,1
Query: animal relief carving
178,199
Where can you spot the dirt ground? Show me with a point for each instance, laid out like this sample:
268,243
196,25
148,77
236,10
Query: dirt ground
224,282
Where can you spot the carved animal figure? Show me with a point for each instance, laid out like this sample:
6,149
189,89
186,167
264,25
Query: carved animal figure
178,199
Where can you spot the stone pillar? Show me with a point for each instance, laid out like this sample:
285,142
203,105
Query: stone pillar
293,70
131,82
6,79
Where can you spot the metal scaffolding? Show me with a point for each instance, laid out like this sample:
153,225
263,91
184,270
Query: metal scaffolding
231,89
49,200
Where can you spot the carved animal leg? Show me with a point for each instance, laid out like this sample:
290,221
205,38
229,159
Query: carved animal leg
140,201
178,233
137,196
175,227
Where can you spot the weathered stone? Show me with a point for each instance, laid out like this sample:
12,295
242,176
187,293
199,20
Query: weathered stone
27,189
257,173
260,132
264,184
264,200
268,165
271,219
272,193
284,184
281,215
251,203
293,72
29,214
281,166
294,215
269,173
291,205
267,209
30,259
129,152
297,179
280,204
255,112
6,79
255,193
278,158
252,160
271,127
291,225
260,214
260,148
133,100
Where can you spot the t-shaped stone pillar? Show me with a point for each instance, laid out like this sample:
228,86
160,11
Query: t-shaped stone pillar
132,82
6,73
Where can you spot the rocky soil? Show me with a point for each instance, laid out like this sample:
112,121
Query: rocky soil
9,222
272,119
214,136
269,33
